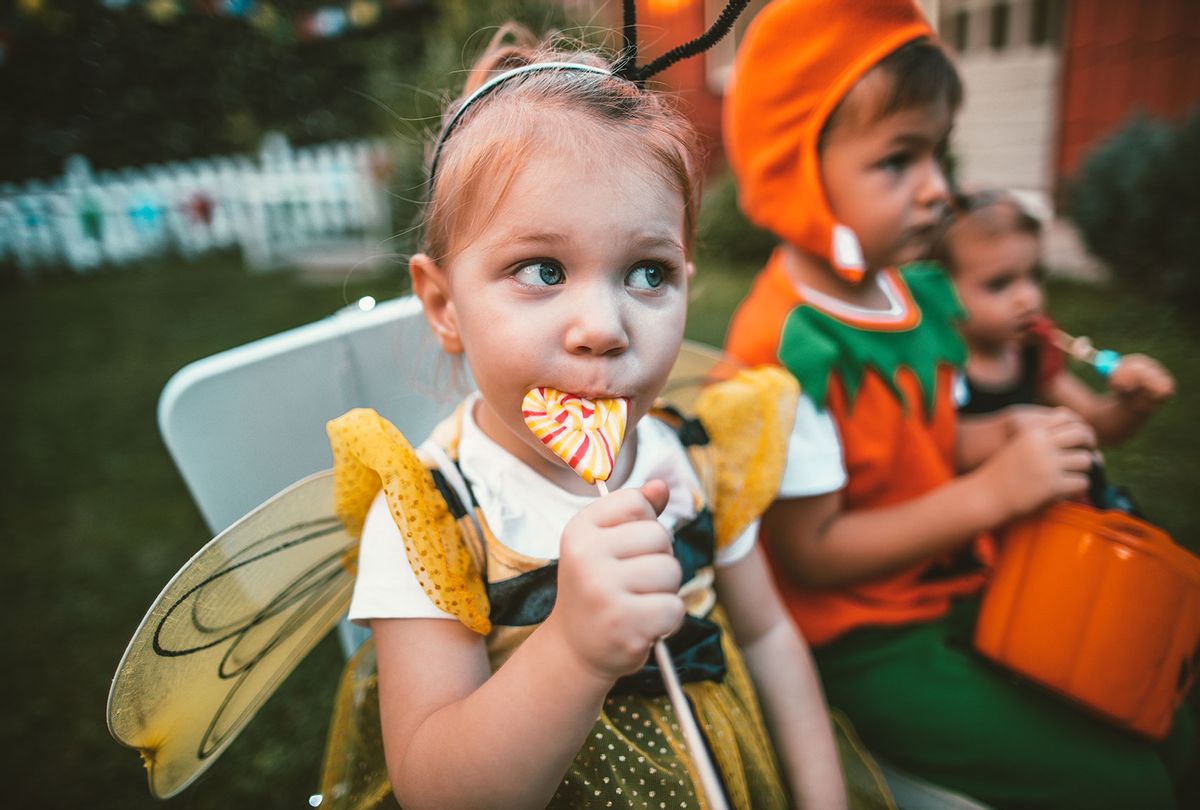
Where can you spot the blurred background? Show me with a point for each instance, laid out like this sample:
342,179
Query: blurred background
179,177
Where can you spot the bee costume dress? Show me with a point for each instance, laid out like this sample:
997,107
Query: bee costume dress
635,755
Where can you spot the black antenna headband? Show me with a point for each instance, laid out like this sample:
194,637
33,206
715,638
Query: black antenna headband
626,67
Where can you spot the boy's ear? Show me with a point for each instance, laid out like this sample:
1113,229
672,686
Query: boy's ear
431,285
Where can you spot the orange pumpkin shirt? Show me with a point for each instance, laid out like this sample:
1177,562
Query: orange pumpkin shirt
888,383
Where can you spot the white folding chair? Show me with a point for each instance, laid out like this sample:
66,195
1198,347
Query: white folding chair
246,423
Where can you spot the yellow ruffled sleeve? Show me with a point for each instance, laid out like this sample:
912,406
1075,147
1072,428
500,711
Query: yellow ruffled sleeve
369,453
747,419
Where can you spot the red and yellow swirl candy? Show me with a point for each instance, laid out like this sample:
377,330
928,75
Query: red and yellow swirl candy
584,433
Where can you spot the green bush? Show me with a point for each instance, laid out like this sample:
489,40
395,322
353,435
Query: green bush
1136,200
724,232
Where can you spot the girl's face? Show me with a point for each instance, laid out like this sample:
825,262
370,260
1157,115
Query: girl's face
883,178
578,282
997,280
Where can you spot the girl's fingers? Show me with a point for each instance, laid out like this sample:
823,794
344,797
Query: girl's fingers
659,615
650,573
657,493
622,506
637,539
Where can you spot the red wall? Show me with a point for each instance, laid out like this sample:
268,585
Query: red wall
658,32
1120,56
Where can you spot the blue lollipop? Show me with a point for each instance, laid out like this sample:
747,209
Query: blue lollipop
1105,361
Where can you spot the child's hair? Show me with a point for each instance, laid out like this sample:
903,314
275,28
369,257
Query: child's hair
920,73
988,213
586,110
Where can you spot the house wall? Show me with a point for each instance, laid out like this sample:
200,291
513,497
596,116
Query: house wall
1122,56
1006,131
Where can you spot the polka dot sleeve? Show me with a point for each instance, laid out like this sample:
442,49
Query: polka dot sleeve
748,419
369,453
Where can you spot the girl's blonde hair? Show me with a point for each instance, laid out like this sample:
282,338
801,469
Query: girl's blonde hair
586,111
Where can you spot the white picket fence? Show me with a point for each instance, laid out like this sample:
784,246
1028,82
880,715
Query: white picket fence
271,208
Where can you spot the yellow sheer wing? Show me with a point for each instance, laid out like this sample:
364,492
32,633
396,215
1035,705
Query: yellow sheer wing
227,629
243,612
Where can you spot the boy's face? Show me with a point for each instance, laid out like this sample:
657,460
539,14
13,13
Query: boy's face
883,176
578,281
996,275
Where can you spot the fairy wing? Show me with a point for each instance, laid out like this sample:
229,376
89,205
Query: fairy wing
228,628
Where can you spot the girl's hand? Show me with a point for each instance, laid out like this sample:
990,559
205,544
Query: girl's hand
1048,460
618,582
1140,383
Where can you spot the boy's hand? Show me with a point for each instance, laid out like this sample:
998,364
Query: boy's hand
618,581
1140,383
1048,460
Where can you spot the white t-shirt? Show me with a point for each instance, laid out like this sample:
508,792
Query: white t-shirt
528,513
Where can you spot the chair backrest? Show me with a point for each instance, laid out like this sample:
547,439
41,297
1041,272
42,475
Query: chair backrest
243,424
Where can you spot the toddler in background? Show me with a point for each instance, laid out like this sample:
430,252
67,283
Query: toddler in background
992,250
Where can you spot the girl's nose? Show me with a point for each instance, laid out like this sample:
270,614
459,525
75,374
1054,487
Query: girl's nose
597,326
1031,295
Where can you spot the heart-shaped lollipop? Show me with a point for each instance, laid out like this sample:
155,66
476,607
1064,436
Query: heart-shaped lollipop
584,433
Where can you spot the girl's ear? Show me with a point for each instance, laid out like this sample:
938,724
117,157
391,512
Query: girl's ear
690,270
431,285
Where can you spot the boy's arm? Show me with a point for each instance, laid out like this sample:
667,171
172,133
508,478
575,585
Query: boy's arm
786,681
980,437
821,545
1138,386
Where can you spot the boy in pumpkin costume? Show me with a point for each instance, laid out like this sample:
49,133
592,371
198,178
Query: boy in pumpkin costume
835,124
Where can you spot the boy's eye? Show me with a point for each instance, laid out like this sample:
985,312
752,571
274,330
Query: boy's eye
646,277
896,162
540,274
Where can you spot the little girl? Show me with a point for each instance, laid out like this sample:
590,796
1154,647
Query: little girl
992,250
512,648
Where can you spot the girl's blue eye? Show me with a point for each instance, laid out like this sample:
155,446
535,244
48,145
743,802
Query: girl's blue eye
646,277
540,274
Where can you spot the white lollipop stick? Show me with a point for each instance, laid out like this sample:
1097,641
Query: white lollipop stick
709,782
586,434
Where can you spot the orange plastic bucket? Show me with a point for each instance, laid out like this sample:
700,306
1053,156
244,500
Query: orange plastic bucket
1100,607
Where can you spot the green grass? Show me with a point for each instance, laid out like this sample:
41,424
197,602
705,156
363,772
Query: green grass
95,518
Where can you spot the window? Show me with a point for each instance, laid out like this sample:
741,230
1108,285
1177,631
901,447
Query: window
1045,22
957,28
998,35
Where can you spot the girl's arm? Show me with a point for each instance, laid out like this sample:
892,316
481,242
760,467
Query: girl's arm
1138,386
822,545
456,735
786,681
